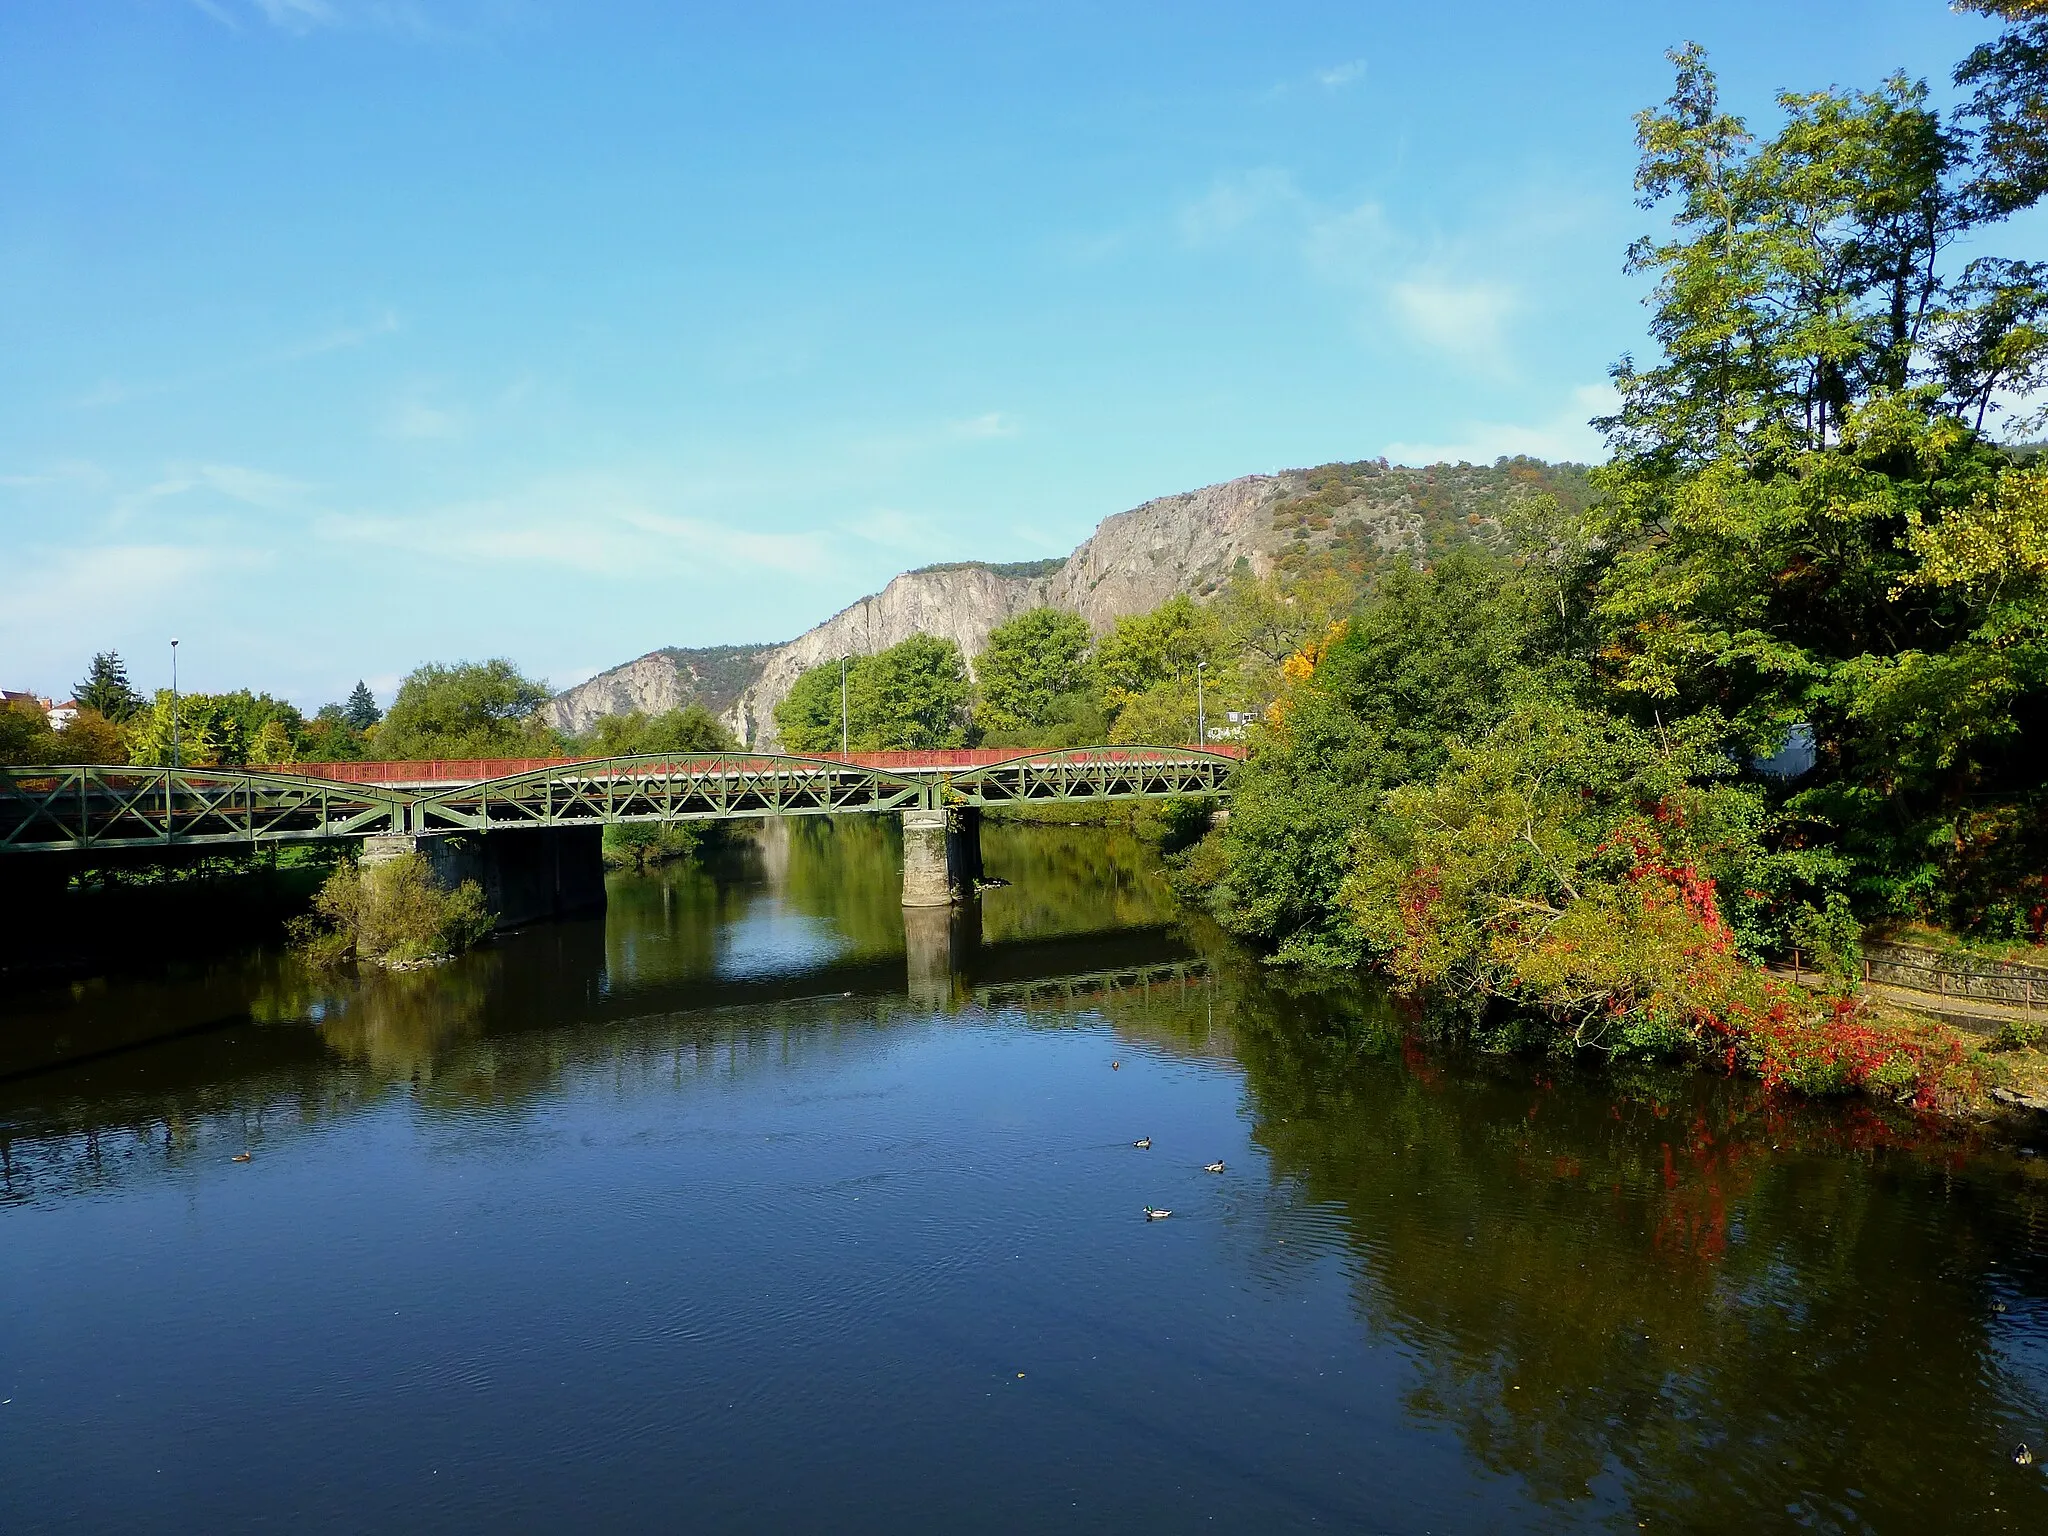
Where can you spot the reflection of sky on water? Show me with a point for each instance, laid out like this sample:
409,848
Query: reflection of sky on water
770,939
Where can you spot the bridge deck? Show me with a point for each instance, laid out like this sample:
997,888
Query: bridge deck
45,809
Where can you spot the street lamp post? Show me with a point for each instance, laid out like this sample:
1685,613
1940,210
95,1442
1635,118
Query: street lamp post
174,702
1201,713
842,707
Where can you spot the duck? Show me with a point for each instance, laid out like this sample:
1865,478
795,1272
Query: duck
1154,1214
1215,1167
2022,1454
1116,1066
1143,1143
241,1157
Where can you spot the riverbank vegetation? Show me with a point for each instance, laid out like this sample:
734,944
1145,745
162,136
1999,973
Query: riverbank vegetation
1787,673
392,913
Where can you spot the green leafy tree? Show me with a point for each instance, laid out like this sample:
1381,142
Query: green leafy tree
1162,646
25,734
1435,656
1803,523
90,737
693,728
1031,672
361,711
329,737
209,731
467,709
106,688
807,717
912,696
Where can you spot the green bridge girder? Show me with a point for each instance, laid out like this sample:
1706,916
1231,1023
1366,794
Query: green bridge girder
80,808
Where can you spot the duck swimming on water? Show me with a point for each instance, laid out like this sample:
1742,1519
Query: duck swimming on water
1215,1167
1143,1143
1152,1214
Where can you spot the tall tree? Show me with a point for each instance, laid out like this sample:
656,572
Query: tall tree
914,696
468,709
1033,665
693,728
911,696
1802,522
361,711
106,688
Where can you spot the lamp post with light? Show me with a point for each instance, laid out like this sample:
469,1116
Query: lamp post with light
1201,713
174,702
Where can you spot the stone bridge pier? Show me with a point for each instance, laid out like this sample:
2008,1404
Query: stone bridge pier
527,876
941,856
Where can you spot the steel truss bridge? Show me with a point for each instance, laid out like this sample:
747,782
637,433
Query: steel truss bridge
54,809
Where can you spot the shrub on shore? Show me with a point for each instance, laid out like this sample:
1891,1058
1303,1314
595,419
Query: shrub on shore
393,913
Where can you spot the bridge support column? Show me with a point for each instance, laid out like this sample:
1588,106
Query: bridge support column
941,856
527,876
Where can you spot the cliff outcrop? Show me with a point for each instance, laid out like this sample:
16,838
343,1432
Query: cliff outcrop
1347,516
714,676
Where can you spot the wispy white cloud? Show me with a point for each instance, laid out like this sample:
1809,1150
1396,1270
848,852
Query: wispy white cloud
339,338
987,425
1331,77
81,474
1439,296
297,15
50,590
893,529
412,419
237,482
1234,202
217,12
1568,435
1466,320
595,525
304,16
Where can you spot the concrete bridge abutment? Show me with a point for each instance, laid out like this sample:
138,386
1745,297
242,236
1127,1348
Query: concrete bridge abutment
941,856
526,876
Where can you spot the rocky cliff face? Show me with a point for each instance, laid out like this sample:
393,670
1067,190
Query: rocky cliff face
714,676
1136,560
1348,515
961,603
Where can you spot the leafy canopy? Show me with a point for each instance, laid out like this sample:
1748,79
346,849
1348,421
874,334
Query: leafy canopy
1033,669
467,709
912,696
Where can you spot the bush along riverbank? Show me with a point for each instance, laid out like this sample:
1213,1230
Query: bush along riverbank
394,914
1784,677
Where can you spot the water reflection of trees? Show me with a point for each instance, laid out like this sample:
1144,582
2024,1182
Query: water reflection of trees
1661,1293
1069,880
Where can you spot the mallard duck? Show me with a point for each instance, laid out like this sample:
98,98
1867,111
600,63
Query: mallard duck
1152,1214
2022,1454
1143,1143
241,1157
1215,1167
1116,1066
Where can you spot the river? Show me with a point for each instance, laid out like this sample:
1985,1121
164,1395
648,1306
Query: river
737,1209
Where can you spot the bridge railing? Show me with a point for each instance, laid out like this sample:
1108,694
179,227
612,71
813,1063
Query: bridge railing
60,807
395,771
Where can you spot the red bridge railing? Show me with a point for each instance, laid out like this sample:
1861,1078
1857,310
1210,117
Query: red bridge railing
476,769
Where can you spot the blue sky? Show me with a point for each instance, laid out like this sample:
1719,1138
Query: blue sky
341,335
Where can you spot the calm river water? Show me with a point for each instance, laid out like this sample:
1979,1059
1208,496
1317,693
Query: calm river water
739,1209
